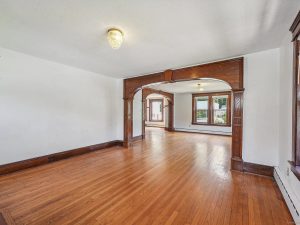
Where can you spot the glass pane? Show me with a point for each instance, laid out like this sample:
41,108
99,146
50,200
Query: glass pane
156,107
220,109
202,109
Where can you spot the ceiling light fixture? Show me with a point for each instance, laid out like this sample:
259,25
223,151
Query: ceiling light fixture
115,38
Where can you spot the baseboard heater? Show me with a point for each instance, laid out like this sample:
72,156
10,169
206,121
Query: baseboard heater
287,197
204,131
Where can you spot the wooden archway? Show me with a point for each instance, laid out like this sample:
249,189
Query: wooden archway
170,97
230,71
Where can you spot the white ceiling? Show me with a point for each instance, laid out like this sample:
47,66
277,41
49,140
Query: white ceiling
159,34
206,85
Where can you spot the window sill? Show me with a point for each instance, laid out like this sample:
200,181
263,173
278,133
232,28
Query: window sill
212,125
295,169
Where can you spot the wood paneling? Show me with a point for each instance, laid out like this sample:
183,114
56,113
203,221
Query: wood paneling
237,131
258,169
295,166
230,71
12,167
168,178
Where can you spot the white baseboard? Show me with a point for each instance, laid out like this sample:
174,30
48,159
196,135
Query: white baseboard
203,131
288,195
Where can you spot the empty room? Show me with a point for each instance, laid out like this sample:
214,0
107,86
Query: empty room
150,112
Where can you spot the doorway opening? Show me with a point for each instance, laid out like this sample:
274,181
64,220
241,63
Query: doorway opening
229,71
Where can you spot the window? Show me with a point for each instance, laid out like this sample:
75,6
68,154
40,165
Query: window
220,115
201,109
156,110
212,109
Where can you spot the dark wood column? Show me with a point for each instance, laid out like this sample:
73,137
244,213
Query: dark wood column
128,122
171,115
237,130
144,108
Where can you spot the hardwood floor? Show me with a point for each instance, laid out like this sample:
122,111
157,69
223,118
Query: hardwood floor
171,178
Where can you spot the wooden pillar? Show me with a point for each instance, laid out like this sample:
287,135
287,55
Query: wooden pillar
171,116
128,122
237,130
144,108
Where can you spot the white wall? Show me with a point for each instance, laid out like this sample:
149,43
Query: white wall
183,117
285,122
261,106
46,107
137,114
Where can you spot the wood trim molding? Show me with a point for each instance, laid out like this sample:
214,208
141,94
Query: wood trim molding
230,71
148,91
237,131
28,163
137,138
258,169
295,28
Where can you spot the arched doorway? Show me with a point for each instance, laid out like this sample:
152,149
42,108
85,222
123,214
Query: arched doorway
170,98
230,71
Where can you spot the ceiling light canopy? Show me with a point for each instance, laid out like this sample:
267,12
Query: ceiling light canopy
115,37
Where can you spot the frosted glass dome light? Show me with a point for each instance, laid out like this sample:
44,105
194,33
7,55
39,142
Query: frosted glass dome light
115,38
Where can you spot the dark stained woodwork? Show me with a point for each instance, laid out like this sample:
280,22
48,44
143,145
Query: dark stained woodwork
137,138
128,122
148,91
210,108
258,169
170,97
168,178
168,75
295,29
25,164
171,114
230,71
237,130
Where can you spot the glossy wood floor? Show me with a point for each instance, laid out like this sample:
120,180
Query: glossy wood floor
172,178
